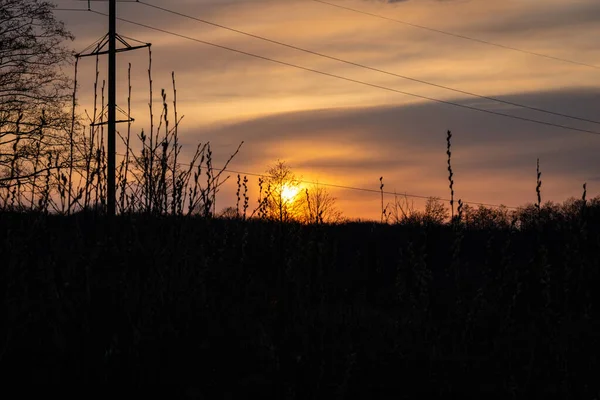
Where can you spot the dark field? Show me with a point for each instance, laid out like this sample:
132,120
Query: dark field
230,308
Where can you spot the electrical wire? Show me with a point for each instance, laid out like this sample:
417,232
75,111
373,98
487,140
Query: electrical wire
132,39
331,185
495,99
464,106
91,45
459,36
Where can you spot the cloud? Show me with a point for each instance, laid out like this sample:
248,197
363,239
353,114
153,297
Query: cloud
493,158
555,18
404,1
397,1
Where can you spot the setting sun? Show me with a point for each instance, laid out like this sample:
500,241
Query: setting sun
289,192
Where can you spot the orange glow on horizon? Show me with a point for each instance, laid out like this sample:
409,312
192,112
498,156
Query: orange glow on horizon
289,193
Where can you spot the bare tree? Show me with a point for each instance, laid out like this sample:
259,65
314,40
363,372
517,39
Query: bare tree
320,206
283,200
403,211
229,213
35,93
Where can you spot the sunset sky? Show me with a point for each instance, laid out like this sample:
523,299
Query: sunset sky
345,133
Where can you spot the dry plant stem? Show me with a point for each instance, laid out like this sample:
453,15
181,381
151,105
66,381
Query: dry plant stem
237,150
456,256
163,198
450,173
381,189
125,174
13,162
46,190
538,186
237,195
150,155
128,142
308,204
95,136
262,201
246,198
88,169
71,134
213,183
207,195
97,146
583,208
100,198
36,165
193,191
90,152
186,176
176,147
260,191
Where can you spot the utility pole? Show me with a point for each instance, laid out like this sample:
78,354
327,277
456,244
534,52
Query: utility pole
112,107
111,40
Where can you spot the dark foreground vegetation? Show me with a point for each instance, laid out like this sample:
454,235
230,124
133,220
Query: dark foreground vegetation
493,304
231,308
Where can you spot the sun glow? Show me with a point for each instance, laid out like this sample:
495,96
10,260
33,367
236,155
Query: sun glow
289,193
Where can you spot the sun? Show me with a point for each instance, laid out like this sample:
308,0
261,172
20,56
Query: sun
289,192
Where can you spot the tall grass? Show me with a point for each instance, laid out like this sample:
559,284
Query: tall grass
72,177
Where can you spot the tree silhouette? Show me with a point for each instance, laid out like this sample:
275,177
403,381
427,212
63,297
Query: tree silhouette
320,206
34,92
279,206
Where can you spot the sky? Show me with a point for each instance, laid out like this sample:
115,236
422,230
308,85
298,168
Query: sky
345,133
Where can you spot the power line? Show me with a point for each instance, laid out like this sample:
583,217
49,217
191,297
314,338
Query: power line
368,67
456,35
415,196
132,39
88,1
94,43
464,106
367,190
105,1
